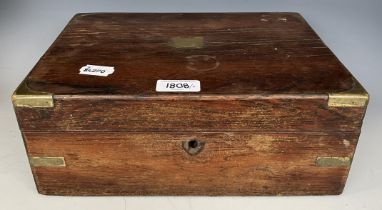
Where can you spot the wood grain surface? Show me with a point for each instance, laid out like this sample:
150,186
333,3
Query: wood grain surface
242,53
261,124
119,163
292,115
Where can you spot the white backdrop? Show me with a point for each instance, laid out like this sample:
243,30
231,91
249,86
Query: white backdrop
352,29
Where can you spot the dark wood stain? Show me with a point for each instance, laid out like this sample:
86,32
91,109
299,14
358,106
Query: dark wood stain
255,56
262,116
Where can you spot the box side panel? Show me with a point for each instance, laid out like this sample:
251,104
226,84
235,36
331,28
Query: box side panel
281,115
224,163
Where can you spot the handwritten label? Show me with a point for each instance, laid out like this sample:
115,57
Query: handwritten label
178,86
94,70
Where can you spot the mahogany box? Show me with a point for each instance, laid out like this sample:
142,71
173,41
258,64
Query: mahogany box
189,104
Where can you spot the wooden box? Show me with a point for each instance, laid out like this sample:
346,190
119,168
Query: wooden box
189,104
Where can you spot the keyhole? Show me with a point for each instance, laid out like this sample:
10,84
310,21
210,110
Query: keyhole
193,146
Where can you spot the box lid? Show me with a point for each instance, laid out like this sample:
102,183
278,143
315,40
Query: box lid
263,72
229,53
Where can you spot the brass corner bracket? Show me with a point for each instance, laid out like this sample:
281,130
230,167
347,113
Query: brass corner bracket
25,97
333,161
47,161
355,97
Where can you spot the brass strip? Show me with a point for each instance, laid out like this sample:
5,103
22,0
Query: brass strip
187,42
47,161
333,161
25,97
355,97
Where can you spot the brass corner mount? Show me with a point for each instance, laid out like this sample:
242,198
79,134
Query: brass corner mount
357,96
26,97
47,161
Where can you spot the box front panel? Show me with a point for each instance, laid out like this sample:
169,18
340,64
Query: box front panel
204,163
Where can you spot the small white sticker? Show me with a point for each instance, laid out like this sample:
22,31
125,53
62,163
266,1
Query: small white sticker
94,70
178,86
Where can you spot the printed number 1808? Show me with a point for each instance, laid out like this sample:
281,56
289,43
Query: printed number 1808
178,86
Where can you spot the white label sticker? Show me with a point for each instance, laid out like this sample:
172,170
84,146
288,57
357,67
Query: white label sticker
178,86
94,70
